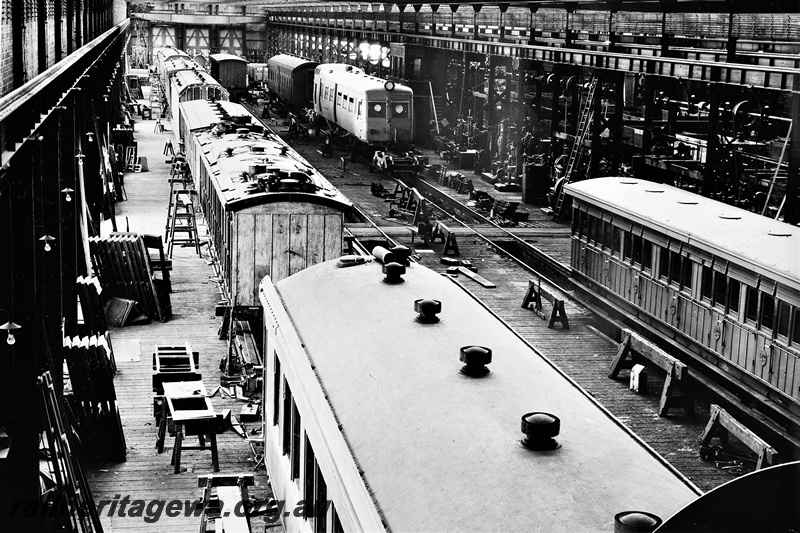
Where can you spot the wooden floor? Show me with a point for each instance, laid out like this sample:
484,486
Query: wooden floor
147,475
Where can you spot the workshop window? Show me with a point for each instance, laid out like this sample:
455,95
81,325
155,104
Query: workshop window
276,393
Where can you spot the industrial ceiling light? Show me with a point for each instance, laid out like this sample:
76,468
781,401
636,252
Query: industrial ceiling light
10,327
47,239
67,193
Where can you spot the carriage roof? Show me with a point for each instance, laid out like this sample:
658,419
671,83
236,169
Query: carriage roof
186,78
227,57
440,451
202,114
758,243
357,79
230,156
290,62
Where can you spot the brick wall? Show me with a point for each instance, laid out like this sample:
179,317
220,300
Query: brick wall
6,58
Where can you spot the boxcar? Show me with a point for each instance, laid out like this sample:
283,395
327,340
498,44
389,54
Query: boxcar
229,70
722,281
291,79
371,421
269,212
373,110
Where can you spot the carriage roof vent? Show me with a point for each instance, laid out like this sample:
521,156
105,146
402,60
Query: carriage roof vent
427,309
539,429
635,522
475,359
394,273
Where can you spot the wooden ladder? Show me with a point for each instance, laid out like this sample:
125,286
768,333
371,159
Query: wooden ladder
587,113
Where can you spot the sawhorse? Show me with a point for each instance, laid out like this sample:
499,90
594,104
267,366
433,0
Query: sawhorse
721,424
534,296
446,235
230,504
674,393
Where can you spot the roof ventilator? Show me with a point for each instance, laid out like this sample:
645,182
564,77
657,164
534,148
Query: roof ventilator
635,522
383,255
394,273
539,429
402,254
427,309
475,359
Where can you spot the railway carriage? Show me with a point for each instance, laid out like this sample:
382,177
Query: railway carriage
229,70
269,212
171,67
162,55
721,281
375,111
291,79
188,85
372,422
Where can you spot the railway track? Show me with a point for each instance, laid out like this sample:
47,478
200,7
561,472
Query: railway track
512,257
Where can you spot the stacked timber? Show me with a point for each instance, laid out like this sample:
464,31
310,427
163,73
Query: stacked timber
123,265
93,398
92,309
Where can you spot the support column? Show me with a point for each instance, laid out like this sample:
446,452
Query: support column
434,9
531,26
17,50
713,146
58,30
417,7
453,9
41,34
503,8
477,9
791,211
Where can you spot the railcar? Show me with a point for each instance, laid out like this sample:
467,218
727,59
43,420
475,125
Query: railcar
172,66
721,281
371,421
189,85
269,212
162,55
291,79
373,110
230,71
257,75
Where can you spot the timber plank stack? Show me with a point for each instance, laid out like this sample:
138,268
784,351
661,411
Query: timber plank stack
94,399
124,267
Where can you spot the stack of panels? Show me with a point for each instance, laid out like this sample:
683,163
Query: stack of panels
94,400
94,317
124,269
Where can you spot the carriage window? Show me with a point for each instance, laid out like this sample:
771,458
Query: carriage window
686,273
608,231
276,383
616,243
663,269
320,503
287,417
647,255
627,250
796,327
784,314
360,102
325,92
308,480
706,284
376,111
720,289
338,98
400,110
295,446
592,224
350,104
733,296
576,222
751,305
767,311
